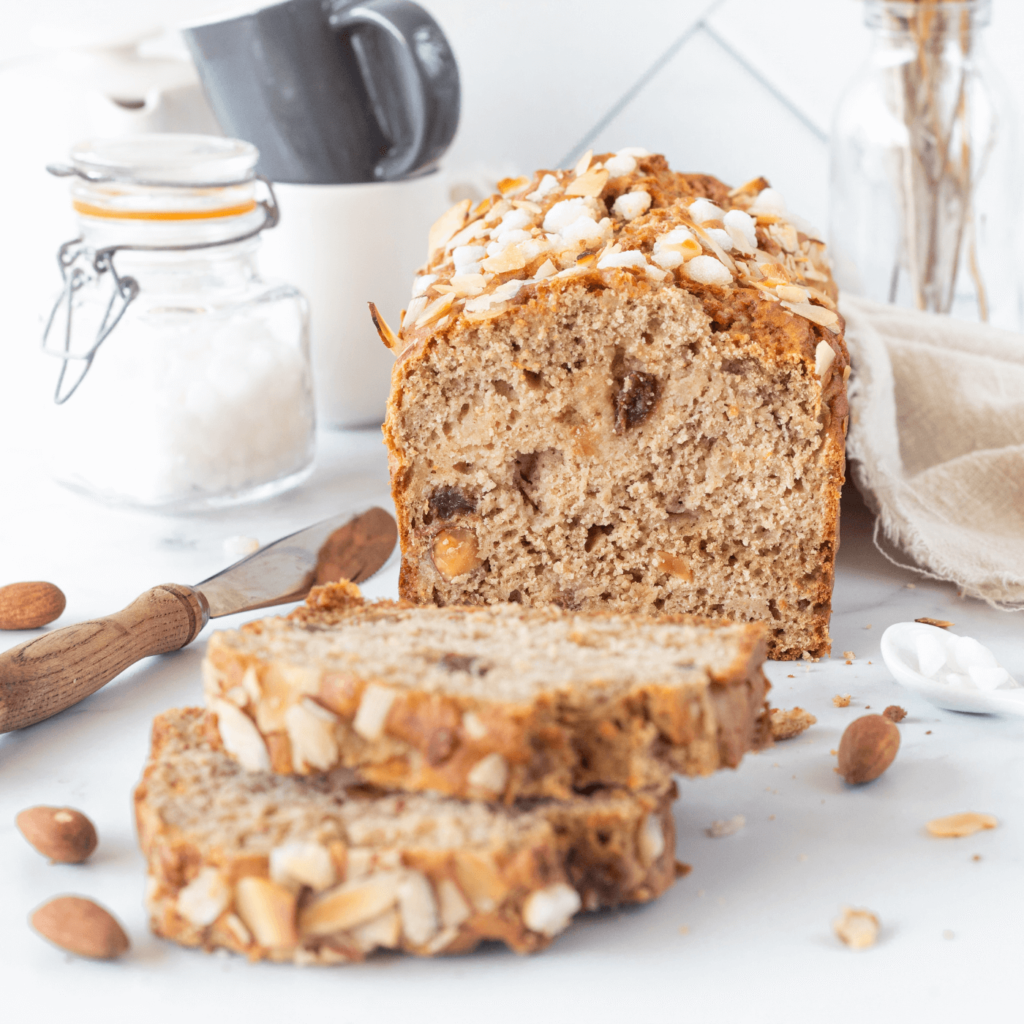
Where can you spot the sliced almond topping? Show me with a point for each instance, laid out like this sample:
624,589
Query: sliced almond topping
435,310
474,726
301,863
821,297
453,906
792,293
241,934
512,257
651,841
417,908
546,269
824,357
774,274
205,898
312,737
525,204
382,932
373,710
583,163
486,314
590,184
955,826
549,910
268,911
468,285
445,226
489,774
480,880
350,904
751,188
816,314
509,186
240,736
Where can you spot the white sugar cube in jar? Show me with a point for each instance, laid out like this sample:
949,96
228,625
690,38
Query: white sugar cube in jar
185,378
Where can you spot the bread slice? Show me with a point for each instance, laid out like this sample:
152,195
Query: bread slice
497,703
323,871
633,400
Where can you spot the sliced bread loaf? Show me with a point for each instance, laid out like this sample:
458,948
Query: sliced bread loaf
623,388
323,870
495,703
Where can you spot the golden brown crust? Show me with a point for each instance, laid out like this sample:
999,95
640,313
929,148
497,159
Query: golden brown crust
557,741
216,882
746,316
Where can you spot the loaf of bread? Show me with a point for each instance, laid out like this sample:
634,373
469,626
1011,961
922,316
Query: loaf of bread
621,388
322,871
495,703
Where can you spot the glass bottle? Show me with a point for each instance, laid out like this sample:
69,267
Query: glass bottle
185,377
925,205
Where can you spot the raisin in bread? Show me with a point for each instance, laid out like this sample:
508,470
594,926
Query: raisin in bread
623,388
320,871
495,703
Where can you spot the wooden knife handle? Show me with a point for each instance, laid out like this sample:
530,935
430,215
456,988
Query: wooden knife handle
43,676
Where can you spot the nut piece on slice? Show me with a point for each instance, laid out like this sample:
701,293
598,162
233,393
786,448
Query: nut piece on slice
857,928
456,552
268,911
63,834
867,748
787,724
550,910
81,927
955,826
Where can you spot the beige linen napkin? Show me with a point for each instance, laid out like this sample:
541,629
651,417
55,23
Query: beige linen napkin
936,439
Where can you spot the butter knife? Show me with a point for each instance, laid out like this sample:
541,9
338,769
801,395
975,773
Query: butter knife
44,676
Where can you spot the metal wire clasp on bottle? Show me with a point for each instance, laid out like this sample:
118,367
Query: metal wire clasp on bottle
80,265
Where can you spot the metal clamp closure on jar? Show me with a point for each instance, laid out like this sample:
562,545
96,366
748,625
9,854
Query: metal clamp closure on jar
80,264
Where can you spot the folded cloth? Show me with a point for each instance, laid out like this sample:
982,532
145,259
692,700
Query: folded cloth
936,440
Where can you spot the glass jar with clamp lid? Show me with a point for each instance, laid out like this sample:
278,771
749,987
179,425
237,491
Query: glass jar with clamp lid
184,378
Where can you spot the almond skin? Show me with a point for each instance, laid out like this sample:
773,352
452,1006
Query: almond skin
867,748
30,605
81,927
63,834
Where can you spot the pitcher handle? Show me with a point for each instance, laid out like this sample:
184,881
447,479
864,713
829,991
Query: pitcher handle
416,102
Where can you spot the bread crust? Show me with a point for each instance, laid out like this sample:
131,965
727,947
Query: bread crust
743,320
209,832
560,739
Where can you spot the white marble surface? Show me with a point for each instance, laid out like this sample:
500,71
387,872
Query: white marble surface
746,935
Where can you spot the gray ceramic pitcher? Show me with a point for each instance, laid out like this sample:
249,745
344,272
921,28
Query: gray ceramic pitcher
332,92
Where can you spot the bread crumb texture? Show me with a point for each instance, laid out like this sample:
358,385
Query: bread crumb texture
857,928
623,388
326,870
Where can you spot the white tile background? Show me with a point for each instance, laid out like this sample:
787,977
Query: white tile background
735,88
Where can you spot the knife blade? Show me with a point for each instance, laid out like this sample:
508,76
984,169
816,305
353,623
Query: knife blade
44,676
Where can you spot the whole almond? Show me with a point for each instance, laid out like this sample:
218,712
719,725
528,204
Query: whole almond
867,748
81,927
30,605
63,834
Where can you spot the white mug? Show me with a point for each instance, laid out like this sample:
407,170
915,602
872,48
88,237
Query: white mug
345,246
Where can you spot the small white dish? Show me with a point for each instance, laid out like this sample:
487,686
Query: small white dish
900,655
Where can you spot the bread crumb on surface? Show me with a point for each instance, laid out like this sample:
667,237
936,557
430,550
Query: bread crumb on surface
911,586
976,857
841,700
849,655
684,929
895,713
787,724
729,827
954,826
941,623
791,677
856,927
